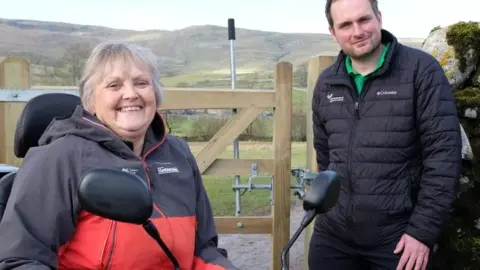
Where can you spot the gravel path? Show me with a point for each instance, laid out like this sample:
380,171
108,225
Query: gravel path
253,252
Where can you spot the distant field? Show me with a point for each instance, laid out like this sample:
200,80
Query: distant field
221,78
173,81
255,202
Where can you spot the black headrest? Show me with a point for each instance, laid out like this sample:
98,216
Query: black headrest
37,115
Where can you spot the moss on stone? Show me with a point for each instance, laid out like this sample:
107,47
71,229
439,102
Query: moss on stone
476,77
446,56
468,97
460,241
464,36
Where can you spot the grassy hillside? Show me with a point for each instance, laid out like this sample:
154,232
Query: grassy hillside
193,56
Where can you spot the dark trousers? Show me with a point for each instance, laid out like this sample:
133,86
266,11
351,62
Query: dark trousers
331,253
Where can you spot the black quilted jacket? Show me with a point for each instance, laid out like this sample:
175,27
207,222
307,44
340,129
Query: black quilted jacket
396,147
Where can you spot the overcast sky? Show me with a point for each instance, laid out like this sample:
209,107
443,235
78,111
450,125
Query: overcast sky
405,18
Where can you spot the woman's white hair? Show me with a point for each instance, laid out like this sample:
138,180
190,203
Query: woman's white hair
106,54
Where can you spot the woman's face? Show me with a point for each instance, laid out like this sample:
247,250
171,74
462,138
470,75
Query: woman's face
124,99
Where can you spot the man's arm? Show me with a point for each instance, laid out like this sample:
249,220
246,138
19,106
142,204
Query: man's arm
320,138
439,132
207,254
38,217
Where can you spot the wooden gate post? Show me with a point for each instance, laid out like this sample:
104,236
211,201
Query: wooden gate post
316,65
282,140
14,74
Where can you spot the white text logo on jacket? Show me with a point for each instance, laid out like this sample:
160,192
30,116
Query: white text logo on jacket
165,170
386,92
332,99
130,170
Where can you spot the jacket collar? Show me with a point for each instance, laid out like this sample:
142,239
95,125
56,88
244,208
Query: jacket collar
339,74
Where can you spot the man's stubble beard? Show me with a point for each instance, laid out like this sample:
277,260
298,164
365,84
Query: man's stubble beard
366,55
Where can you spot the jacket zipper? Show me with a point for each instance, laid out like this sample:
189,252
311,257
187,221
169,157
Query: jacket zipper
150,185
110,253
356,110
350,218
111,250
149,177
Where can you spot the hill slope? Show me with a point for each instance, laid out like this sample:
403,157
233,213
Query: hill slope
193,50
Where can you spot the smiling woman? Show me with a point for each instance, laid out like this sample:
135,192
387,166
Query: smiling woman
122,88
117,127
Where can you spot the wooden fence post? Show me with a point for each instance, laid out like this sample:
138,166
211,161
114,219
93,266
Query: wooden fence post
282,139
14,74
316,65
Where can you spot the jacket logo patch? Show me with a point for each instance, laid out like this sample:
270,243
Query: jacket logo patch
165,170
130,170
332,99
383,93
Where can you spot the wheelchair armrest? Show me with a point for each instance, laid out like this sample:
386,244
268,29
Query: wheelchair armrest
6,183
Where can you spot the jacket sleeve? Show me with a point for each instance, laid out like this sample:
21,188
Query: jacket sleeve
207,254
39,215
320,138
438,129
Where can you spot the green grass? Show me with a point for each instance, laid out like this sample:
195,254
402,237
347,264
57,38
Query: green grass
209,79
254,202
181,127
299,99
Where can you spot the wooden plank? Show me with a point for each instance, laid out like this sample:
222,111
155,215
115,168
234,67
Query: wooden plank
217,99
12,112
232,167
225,136
249,225
282,140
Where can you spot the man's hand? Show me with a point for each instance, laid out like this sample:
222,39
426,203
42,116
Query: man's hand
415,254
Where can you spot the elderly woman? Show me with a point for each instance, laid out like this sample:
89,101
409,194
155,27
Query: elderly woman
118,127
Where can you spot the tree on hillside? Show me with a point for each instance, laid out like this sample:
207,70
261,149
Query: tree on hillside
74,58
300,75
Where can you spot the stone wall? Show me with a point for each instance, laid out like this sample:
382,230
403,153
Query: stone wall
457,48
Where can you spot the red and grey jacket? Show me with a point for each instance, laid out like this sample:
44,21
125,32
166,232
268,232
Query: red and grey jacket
44,227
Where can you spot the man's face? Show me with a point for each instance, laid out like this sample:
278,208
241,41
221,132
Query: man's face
356,28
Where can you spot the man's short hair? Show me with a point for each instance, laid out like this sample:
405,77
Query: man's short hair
328,7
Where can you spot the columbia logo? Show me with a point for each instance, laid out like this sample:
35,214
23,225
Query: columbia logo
382,93
164,170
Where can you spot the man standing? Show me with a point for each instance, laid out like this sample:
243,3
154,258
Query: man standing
385,120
